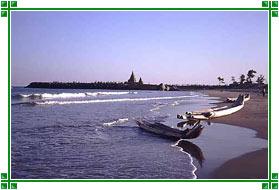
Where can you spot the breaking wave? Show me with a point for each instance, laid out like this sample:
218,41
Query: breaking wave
116,122
102,100
67,95
158,106
175,103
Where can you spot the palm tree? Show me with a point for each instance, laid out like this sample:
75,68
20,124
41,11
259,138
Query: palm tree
260,79
251,74
241,78
221,80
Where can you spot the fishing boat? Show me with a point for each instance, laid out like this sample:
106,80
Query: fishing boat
231,100
215,112
167,131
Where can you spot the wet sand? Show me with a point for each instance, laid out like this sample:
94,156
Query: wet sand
254,116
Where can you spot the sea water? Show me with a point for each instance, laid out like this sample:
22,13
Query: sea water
92,134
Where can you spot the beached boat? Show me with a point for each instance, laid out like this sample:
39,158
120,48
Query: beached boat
164,130
215,112
231,100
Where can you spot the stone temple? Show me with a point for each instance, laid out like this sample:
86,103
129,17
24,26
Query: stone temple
132,79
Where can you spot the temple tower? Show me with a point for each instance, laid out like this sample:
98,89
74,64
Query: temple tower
132,79
140,81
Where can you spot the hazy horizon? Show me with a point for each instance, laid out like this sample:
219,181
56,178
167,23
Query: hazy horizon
173,47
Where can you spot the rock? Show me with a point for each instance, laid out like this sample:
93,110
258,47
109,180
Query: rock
163,87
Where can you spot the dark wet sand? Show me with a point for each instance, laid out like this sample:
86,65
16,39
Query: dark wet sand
254,116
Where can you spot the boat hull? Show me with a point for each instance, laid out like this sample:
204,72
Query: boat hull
216,112
166,131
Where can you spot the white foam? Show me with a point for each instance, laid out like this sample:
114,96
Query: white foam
157,107
63,95
72,95
192,160
116,122
175,103
109,100
115,93
30,95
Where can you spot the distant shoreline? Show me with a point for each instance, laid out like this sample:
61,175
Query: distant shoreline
138,86
100,85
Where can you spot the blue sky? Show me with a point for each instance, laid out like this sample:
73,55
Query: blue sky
177,47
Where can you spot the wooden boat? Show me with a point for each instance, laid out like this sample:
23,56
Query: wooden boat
164,130
215,112
231,100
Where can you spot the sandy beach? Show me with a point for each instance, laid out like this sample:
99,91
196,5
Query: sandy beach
254,115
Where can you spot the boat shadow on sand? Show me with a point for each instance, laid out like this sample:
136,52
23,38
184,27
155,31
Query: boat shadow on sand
192,149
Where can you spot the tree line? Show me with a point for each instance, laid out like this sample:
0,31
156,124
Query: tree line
244,79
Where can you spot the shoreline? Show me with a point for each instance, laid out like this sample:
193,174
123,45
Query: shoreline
254,115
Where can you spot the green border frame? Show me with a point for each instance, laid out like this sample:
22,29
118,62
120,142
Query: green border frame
8,180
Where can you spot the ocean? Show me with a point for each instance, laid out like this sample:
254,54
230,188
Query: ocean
92,134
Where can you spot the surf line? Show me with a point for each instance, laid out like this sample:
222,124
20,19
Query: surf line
105,100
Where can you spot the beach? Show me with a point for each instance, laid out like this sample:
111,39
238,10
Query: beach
254,115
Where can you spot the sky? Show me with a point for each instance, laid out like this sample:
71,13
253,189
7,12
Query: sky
173,47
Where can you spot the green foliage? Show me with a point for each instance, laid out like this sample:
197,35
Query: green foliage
221,80
241,78
250,75
260,79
